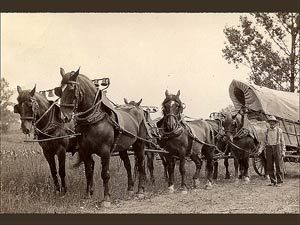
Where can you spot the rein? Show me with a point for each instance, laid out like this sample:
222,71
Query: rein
43,130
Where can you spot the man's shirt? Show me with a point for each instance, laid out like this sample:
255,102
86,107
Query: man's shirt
275,137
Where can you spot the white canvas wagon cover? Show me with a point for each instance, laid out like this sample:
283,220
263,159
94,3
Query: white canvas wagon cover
271,102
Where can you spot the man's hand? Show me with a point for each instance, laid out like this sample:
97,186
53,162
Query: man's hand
283,154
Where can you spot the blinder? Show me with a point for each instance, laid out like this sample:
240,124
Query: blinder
72,86
35,108
58,91
16,108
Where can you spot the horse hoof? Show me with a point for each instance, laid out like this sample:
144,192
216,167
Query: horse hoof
227,177
64,191
130,193
247,180
87,196
171,189
140,195
208,186
196,183
106,204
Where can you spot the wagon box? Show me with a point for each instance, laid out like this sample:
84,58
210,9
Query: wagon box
256,103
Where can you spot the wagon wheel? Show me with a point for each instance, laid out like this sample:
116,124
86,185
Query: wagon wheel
259,164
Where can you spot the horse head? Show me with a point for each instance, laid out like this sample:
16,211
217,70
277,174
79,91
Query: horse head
30,106
231,125
137,109
77,93
172,107
133,103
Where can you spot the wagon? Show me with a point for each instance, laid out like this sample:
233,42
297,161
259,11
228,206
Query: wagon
258,103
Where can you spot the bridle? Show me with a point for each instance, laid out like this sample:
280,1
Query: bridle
178,118
35,108
73,105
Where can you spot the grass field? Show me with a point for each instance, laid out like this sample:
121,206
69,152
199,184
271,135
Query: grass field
27,186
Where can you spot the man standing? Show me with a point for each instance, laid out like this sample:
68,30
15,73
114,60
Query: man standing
275,150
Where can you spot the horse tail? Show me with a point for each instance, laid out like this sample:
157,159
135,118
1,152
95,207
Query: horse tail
79,160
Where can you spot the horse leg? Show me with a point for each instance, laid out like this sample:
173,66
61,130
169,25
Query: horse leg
182,173
226,162
246,170
126,161
89,169
215,173
209,154
165,165
241,168
105,159
171,165
51,161
92,180
198,163
140,156
62,169
150,165
236,168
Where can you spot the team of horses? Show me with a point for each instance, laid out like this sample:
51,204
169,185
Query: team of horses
106,129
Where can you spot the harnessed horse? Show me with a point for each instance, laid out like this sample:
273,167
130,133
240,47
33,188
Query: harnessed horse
241,144
101,133
182,139
221,145
38,112
153,136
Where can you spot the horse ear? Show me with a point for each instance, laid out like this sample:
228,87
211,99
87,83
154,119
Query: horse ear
178,93
19,89
62,72
167,93
140,102
125,101
33,91
75,75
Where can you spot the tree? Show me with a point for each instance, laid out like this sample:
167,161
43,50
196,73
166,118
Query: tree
268,44
7,116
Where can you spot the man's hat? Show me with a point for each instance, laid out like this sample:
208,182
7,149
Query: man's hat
272,118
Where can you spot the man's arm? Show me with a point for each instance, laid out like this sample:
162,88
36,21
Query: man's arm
282,142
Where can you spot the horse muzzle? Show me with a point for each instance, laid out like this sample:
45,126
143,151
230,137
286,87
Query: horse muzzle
26,127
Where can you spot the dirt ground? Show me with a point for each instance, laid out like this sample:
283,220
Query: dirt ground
226,197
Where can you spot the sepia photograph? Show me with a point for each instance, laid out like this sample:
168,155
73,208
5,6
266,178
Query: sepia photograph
150,113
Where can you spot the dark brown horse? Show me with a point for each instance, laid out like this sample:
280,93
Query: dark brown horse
153,135
241,145
222,148
36,109
101,129
182,139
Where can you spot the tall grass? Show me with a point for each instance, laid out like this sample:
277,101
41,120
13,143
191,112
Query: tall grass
27,185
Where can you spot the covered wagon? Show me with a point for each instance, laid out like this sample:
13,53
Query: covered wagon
260,102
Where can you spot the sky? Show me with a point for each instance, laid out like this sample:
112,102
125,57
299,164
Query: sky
143,54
